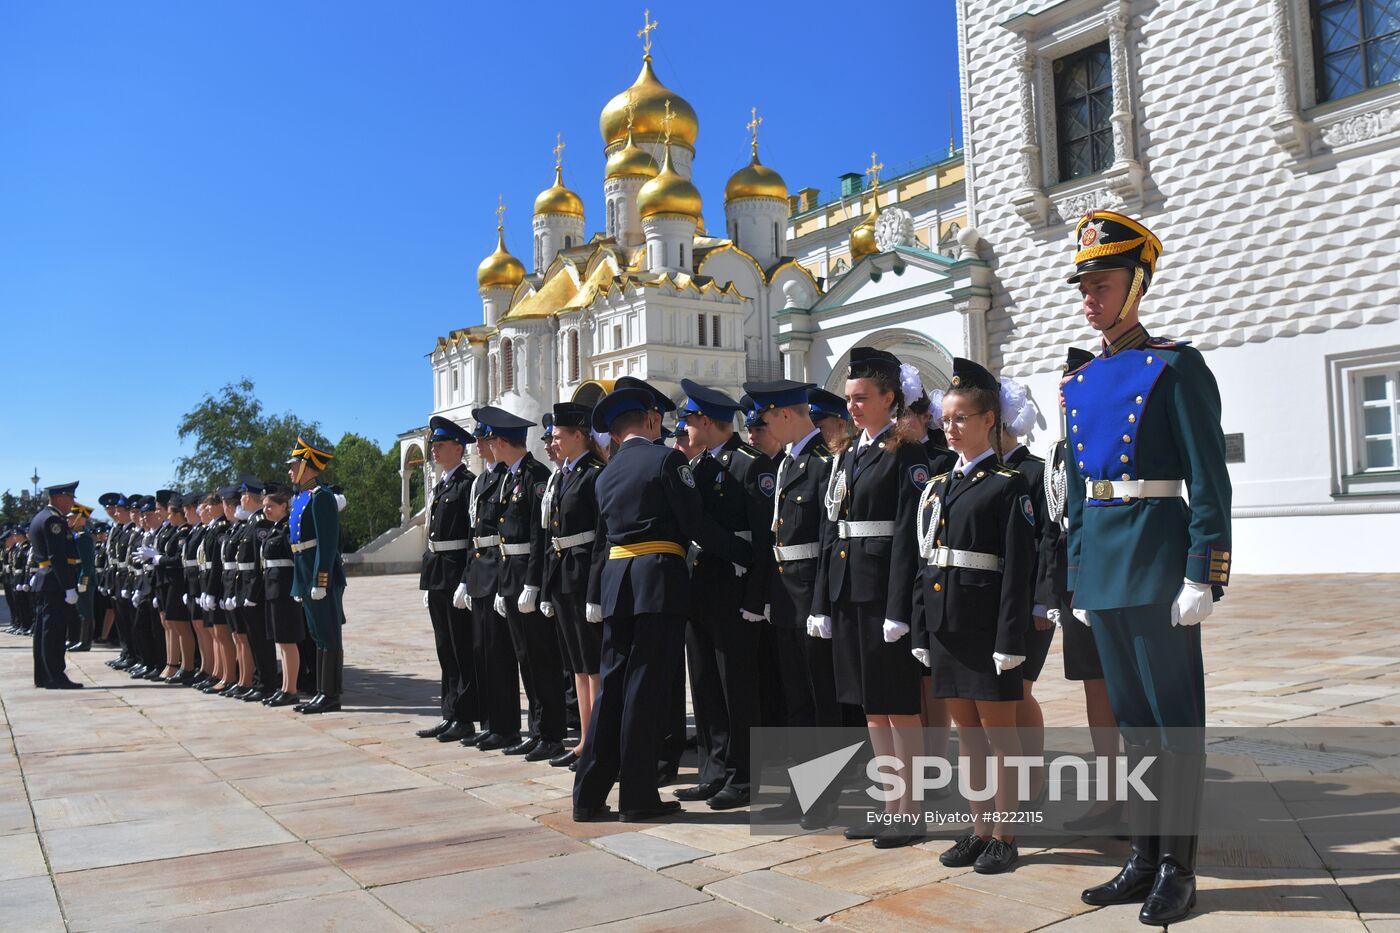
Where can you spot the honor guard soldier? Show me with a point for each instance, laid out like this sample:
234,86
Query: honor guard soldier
54,586
736,484
517,507
80,632
1148,500
320,576
650,511
441,578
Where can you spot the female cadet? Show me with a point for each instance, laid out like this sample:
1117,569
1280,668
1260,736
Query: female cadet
285,620
211,582
197,514
866,577
569,515
179,638
976,530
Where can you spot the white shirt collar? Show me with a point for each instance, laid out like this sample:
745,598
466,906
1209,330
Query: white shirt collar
570,464
448,475
865,437
716,451
515,465
795,449
964,466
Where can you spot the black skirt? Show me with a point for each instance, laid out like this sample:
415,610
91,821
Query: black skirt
1081,654
962,668
1037,649
286,622
583,640
173,605
881,677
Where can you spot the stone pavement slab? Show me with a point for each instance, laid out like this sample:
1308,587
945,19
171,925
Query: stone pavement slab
649,851
781,898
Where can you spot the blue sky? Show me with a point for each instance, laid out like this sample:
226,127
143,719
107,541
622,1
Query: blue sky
299,192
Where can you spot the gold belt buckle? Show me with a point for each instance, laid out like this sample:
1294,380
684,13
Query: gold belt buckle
1103,489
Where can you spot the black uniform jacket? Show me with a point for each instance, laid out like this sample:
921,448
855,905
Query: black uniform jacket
483,563
1033,469
277,546
573,510
211,563
517,502
250,542
449,519
736,487
801,513
52,549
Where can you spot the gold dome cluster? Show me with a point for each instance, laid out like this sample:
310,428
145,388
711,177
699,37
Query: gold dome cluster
669,193
648,95
631,160
755,180
556,199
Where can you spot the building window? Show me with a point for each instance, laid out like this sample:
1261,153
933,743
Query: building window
682,252
1364,390
612,218
493,376
700,330
573,355
1083,106
1357,45
714,330
456,387
1376,420
777,247
507,365
568,242
539,251
617,337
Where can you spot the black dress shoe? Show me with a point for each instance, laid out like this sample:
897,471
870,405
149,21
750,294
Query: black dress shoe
470,741
433,732
663,808
996,857
545,751
789,811
523,747
564,760
495,740
591,814
321,704
284,699
69,645
277,695
699,791
64,685
455,732
81,646
729,798
301,707
819,817
184,678
1130,886
152,674
573,766
137,671
253,696
236,691
900,835
124,664
1172,897
964,852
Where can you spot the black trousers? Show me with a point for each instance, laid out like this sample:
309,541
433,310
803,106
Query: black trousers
453,638
50,631
253,621
541,670
499,687
125,614
639,660
672,715
149,634
722,652
789,699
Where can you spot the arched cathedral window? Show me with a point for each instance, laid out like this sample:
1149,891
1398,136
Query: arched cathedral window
507,365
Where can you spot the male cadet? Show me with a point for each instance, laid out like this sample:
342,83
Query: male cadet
319,576
79,635
829,413
757,426
123,512
441,575
1145,563
517,506
248,595
114,504
494,652
736,484
649,512
54,585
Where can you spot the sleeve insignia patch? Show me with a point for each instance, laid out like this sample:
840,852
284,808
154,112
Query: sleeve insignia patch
918,474
686,474
539,489
55,527
1028,511
767,482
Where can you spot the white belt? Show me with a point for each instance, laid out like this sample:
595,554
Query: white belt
864,529
461,544
248,566
189,563
568,541
515,550
1135,489
487,541
279,562
797,551
966,560
303,546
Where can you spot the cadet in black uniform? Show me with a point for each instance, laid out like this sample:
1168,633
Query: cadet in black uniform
211,585
829,413
228,602
863,596
197,514
976,535
249,595
283,618
569,515
736,484
517,507
174,604
9,577
650,512
441,578
118,573
149,632
54,586
80,628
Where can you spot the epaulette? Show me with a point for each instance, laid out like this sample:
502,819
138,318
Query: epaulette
753,452
940,476
1166,343
824,458
1003,471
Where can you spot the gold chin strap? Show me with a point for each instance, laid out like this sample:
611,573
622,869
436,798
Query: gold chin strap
301,471
1133,292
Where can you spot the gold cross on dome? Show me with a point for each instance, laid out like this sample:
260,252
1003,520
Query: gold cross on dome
500,211
558,150
648,24
752,126
666,120
874,172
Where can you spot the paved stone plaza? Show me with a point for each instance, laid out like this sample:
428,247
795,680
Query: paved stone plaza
135,804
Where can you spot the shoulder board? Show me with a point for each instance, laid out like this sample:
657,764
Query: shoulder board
1167,343
753,453
940,477
824,458
1003,471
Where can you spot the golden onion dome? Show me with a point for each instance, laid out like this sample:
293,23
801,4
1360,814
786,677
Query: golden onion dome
556,199
755,180
669,193
863,238
632,160
649,97
500,269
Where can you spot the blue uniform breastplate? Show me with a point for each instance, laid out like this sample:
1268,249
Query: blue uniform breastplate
299,504
1105,401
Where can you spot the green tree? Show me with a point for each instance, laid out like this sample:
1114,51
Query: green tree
19,508
233,436
369,479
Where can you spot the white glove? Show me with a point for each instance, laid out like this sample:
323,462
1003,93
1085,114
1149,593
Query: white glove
459,596
126,594
318,592
185,598
297,598
740,570
528,598
147,553
750,616
425,599
250,604
155,602
71,597
1082,615
547,609
925,658
593,612
1193,604
1006,662
819,626
1054,616
894,631
499,604
136,599
339,502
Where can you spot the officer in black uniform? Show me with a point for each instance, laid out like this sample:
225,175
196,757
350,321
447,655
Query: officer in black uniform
517,507
54,585
441,578
736,484
650,512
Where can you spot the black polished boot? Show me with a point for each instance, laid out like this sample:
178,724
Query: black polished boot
1174,888
320,681
1132,884
329,701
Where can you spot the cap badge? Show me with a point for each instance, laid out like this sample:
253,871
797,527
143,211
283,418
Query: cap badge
1091,235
